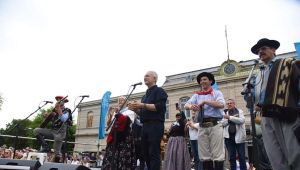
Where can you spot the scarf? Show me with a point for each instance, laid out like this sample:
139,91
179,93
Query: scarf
232,127
210,91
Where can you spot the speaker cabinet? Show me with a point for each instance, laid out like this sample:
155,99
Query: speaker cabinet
19,164
60,166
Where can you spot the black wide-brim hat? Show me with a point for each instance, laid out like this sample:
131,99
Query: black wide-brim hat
208,75
264,42
178,114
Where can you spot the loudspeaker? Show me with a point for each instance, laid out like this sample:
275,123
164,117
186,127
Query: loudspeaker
61,166
19,164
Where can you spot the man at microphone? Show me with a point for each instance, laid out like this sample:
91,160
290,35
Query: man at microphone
60,118
277,96
151,109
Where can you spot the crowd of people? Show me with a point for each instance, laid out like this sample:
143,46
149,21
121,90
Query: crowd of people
88,160
8,152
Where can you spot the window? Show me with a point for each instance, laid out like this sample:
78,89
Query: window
182,102
167,115
90,117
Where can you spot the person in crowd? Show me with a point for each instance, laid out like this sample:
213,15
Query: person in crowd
120,149
209,104
99,160
193,133
8,154
277,97
85,162
152,109
235,134
181,112
177,154
60,118
2,150
76,161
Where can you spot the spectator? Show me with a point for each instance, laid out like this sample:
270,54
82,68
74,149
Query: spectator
177,154
234,134
193,133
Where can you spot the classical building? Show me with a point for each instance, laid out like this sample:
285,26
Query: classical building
180,87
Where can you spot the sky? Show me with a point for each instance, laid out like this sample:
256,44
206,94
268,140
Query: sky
60,47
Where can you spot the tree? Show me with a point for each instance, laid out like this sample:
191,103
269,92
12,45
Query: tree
17,126
26,129
1,101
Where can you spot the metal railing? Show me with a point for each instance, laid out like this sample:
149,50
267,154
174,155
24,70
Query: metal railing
30,138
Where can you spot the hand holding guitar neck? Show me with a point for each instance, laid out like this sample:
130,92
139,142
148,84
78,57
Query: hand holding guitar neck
54,112
58,105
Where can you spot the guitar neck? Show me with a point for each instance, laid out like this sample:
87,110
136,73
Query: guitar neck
47,120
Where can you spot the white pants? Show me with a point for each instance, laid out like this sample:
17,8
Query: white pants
211,143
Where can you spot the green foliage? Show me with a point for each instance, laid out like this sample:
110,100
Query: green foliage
17,127
1,101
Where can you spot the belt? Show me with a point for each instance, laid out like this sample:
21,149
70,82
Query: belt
211,119
209,122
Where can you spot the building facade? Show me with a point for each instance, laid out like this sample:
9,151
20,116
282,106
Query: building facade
230,77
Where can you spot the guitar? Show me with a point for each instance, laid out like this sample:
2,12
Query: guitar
51,115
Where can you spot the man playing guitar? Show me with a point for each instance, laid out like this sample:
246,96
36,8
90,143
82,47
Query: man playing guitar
60,118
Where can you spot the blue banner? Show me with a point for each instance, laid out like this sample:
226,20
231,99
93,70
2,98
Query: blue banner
103,111
297,47
215,86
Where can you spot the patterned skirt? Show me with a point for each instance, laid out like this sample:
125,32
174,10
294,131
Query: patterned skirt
177,154
122,157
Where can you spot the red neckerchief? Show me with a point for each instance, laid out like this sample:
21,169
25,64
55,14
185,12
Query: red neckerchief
210,91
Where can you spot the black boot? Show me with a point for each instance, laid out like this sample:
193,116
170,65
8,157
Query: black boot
219,165
208,165
43,143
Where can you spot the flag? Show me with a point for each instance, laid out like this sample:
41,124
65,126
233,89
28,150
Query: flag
297,47
103,111
215,86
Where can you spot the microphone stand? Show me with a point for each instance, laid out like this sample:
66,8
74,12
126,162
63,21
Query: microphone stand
249,97
67,130
17,126
113,121
112,124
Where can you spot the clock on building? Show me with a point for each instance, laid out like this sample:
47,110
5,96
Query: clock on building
229,68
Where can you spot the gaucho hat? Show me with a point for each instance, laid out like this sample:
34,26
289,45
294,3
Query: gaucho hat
264,42
208,75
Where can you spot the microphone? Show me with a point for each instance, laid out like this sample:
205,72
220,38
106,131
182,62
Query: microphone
139,83
84,96
247,85
48,102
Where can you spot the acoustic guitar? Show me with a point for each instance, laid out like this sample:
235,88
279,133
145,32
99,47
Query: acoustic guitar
51,115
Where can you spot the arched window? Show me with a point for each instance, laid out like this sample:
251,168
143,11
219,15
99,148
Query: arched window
90,117
182,102
167,115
